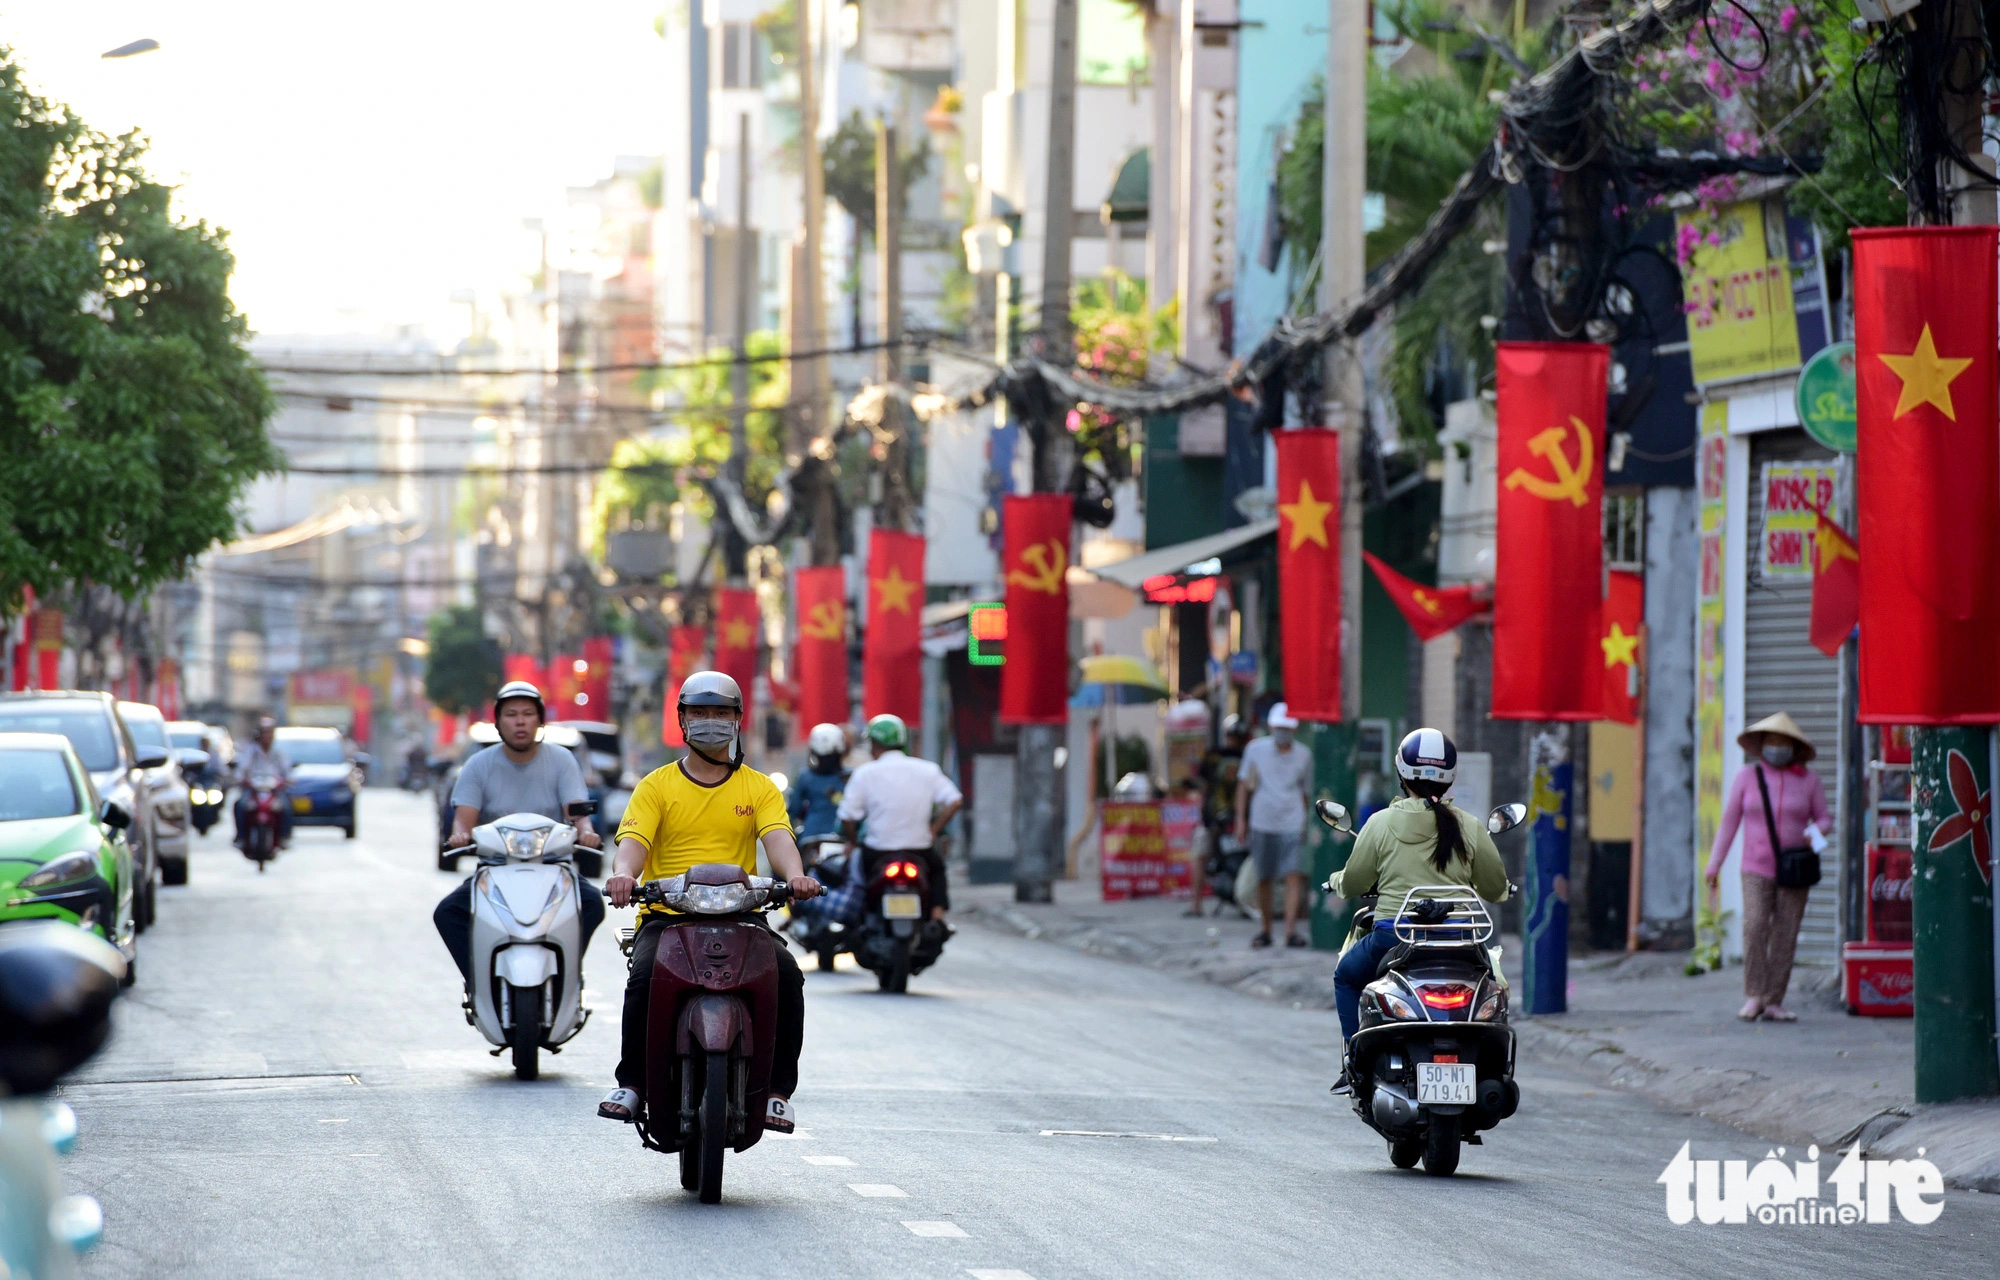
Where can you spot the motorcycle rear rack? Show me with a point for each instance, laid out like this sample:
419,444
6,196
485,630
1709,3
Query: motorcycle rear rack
1466,921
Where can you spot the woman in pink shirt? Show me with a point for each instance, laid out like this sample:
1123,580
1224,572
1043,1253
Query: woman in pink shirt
1778,753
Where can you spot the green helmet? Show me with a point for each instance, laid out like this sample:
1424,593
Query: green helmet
889,732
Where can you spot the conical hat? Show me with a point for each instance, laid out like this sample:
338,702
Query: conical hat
1780,723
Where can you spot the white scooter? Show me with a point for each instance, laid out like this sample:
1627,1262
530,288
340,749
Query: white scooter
527,937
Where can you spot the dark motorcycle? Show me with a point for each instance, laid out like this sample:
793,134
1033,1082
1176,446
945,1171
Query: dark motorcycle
1224,863
711,1023
823,927
262,822
1432,1064
897,937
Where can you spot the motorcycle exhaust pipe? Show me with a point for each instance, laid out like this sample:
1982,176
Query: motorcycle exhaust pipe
1393,1108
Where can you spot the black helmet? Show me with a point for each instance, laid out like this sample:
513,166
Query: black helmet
711,689
519,689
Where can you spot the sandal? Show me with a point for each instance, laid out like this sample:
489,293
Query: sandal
779,1116
1261,940
1295,940
1752,1009
620,1105
1779,1013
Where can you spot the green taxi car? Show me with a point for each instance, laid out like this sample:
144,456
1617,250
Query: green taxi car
63,853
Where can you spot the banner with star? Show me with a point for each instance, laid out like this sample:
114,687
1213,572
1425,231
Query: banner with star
1430,611
1927,474
1549,540
1034,681
685,646
736,623
892,674
1836,587
1624,615
821,657
1309,570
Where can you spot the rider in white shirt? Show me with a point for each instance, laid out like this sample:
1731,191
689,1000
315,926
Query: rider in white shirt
262,759
905,802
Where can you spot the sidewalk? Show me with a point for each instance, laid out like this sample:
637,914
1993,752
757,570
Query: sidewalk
1636,1022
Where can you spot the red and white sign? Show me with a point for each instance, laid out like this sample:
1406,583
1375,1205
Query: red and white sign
1794,495
1146,849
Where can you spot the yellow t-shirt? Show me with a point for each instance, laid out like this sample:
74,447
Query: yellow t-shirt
683,823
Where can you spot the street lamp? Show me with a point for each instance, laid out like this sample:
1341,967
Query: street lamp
132,50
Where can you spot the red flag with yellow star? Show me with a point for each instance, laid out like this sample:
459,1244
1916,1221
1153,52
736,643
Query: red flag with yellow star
1034,681
684,649
1927,473
1836,587
1430,611
1624,615
892,674
821,657
736,622
1309,570
1549,547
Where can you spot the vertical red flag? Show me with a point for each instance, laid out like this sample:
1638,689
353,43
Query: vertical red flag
1624,615
1034,683
891,661
521,666
565,683
595,679
1927,473
1430,611
736,621
1309,570
1549,569
821,595
684,649
1836,587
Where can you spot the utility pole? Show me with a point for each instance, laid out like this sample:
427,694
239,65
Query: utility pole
1039,781
734,549
808,302
888,251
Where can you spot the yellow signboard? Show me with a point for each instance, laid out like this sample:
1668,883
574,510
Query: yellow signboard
1712,473
1739,295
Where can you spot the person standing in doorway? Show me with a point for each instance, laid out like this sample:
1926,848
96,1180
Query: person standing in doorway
1272,793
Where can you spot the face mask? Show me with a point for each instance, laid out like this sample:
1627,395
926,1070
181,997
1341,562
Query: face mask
1778,754
1283,737
714,735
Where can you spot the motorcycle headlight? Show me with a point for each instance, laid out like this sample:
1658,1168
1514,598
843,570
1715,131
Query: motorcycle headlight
525,846
1493,1006
70,867
1393,1003
716,899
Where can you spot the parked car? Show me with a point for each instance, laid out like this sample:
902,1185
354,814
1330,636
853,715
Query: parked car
63,852
171,799
204,753
326,778
117,768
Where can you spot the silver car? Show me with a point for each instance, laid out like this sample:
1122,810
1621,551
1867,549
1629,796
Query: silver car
168,785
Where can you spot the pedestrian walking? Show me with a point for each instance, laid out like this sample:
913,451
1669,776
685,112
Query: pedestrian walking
1787,821
1274,786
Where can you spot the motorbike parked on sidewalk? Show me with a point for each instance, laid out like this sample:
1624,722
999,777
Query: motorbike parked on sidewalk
263,822
1432,1064
711,1025
526,992
824,927
897,938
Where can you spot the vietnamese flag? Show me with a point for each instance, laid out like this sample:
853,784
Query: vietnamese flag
521,666
1836,587
821,597
1624,615
1430,611
684,650
892,678
1309,570
1549,569
1927,474
1034,681
736,623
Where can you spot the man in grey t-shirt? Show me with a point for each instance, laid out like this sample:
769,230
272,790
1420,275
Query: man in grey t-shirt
1273,794
519,774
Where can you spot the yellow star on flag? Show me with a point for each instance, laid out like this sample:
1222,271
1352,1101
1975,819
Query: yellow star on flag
1832,548
1927,376
893,592
1308,517
737,634
1620,650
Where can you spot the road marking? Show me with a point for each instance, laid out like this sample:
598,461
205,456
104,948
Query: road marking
341,1121
989,1273
1104,1133
937,1229
826,1160
876,1190
800,1136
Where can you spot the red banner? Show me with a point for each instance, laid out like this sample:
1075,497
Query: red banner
684,652
1549,579
1624,615
521,666
821,595
1034,683
1309,570
1430,611
1927,474
736,625
891,662
1836,587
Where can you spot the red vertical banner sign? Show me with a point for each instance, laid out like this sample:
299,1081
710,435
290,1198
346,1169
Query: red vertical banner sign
684,650
821,595
565,683
595,679
892,675
1927,474
1549,569
1624,615
1034,682
736,623
521,666
1309,570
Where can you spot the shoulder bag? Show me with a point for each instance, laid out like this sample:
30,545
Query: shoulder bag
1798,867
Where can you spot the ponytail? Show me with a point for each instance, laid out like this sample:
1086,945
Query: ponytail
1450,836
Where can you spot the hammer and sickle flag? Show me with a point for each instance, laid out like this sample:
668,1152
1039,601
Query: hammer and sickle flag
1430,611
1034,682
1548,602
892,669
1309,601
821,656
737,621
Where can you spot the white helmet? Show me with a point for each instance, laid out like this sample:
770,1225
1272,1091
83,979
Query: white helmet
827,740
1426,755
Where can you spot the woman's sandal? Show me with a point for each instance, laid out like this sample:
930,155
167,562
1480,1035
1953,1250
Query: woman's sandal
1779,1013
620,1105
1751,1010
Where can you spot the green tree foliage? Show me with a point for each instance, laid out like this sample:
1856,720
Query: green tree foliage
1851,190
462,672
131,417
639,487
849,158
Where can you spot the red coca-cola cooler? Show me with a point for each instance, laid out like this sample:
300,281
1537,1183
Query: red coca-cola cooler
1881,982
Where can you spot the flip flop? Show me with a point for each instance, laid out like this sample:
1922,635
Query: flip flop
1261,940
620,1105
1779,1013
779,1116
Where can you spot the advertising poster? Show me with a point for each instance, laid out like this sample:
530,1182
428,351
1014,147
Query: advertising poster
1739,294
1794,495
1147,850
1712,472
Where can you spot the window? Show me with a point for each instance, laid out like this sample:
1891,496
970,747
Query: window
743,56
87,726
36,783
1624,530
307,747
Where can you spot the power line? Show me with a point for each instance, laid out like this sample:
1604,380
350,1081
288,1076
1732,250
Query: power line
653,366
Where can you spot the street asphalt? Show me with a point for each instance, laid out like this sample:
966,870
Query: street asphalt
292,1091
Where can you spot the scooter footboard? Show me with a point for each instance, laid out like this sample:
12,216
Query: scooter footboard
714,1024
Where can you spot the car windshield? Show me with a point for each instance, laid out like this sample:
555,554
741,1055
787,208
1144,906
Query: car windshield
312,748
85,724
36,783
182,738
146,731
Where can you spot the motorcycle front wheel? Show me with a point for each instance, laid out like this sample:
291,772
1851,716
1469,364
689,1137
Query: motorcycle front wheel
1441,1146
714,1136
526,1036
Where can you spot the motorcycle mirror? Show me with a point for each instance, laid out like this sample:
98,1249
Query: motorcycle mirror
113,815
581,808
1333,814
1506,818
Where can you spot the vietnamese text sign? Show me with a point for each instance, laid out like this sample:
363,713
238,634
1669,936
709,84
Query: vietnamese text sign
1739,296
1147,849
1712,473
1794,495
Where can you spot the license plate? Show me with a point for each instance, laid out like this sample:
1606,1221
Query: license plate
301,804
902,906
1445,1084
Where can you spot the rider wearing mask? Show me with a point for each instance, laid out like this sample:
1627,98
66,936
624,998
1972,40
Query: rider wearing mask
706,807
262,759
515,775
1420,839
906,803
815,794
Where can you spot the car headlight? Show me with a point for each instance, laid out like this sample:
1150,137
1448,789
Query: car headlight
1393,1004
525,846
80,865
215,797
716,899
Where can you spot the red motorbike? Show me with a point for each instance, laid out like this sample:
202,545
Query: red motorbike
262,823
712,1020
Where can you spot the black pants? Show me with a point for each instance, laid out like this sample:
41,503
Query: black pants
872,860
789,1038
453,918
242,813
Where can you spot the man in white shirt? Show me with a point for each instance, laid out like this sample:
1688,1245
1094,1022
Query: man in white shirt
1273,794
904,803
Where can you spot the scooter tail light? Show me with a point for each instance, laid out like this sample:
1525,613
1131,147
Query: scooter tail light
1446,995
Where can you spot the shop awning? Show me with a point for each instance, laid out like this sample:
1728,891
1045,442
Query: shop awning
1176,559
1131,190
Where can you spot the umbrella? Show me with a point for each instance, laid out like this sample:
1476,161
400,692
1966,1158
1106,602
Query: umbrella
1122,680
